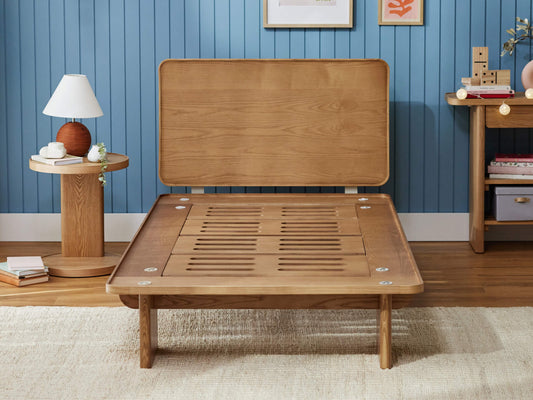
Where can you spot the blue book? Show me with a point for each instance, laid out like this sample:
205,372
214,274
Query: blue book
21,274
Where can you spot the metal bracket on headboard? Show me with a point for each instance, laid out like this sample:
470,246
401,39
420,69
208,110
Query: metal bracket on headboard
197,190
350,190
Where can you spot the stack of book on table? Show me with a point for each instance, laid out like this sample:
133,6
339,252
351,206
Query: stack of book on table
22,271
68,159
489,92
511,166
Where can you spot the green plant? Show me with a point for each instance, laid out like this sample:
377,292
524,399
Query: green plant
521,25
102,152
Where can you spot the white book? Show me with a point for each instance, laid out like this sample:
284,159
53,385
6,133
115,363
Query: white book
510,176
68,159
488,87
34,263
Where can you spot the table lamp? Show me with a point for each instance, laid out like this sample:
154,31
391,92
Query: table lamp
74,98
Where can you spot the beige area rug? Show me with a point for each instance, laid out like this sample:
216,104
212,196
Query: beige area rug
439,353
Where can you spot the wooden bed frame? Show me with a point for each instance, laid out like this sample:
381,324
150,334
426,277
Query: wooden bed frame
265,123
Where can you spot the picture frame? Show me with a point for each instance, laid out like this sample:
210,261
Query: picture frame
401,12
307,13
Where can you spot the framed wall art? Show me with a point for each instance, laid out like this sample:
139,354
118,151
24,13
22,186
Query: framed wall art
308,13
401,12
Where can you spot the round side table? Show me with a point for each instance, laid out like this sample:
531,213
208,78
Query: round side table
82,218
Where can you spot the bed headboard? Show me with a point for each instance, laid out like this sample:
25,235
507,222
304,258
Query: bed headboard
273,122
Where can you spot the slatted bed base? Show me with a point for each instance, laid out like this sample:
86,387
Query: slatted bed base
237,251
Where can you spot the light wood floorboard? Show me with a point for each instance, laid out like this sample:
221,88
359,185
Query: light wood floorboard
452,273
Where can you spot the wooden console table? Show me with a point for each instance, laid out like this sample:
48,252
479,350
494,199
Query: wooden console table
485,113
82,218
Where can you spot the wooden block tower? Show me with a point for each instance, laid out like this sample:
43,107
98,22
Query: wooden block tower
480,63
481,75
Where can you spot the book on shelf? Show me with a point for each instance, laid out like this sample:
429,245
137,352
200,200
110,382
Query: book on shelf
32,263
511,170
68,159
22,278
512,163
4,270
510,176
514,157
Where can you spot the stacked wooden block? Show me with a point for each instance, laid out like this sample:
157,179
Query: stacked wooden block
481,75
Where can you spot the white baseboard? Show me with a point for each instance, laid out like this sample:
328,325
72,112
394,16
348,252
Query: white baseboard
435,227
426,227
47,227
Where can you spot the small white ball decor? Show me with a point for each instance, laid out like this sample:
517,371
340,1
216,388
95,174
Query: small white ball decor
462,94
529,93
53,150
505,109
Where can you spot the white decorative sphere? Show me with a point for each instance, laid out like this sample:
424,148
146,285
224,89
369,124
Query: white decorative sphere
56,150
462,94
529,93
505,109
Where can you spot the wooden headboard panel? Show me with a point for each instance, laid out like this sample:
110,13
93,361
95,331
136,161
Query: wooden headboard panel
273,122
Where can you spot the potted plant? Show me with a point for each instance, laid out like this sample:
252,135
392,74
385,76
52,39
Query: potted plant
522,32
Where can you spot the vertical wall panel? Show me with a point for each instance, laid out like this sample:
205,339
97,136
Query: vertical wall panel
15,165
119,44
447,80
102,85
433,94
416,120
148,85
133,105
118,101
4,201
401,115
461,114
27,88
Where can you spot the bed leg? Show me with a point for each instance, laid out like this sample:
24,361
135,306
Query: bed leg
148,330
385,331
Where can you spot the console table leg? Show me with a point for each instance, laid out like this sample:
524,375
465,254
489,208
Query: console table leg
477,178
147,331
385,331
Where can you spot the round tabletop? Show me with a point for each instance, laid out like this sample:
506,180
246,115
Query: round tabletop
114,163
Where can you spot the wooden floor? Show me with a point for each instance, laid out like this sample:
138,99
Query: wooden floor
452,273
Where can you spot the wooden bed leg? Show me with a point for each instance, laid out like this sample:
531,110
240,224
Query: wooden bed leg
385,331
147,331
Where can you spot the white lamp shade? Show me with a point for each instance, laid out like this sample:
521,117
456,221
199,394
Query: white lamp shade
73,98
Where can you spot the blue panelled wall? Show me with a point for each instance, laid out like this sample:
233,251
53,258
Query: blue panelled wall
118,44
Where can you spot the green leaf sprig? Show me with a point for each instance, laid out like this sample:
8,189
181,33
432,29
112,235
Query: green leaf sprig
523,31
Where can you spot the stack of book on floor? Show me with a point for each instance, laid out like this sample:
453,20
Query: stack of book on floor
489,92
511,166
22,271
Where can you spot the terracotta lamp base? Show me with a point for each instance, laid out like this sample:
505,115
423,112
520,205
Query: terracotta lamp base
76,138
